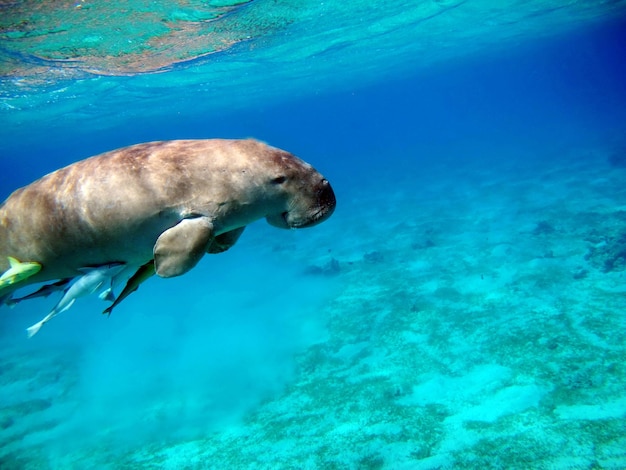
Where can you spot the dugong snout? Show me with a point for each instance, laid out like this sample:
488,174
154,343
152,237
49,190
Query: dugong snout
307,208
326,203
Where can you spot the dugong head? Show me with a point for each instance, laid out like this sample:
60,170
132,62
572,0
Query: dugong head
303,197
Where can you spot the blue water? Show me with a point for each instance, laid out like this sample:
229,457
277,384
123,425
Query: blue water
463,307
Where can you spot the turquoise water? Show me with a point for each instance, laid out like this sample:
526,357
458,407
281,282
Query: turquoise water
465,305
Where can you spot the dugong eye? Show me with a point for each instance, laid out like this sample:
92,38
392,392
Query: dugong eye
279,180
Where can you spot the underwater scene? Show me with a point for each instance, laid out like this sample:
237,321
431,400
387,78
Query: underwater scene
444,289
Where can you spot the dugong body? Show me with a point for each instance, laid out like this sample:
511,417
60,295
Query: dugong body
171,201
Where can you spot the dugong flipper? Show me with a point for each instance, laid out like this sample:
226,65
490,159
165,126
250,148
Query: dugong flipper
170,201
223,242
179,248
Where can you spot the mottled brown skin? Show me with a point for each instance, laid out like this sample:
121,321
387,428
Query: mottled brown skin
115,207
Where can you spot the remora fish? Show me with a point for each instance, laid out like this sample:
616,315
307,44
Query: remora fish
90,282
44,291
5,299
18,272
144,273
125,273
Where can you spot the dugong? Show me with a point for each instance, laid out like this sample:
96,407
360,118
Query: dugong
168,201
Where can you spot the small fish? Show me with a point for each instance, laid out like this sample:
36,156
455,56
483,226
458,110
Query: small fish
6,299
88,283
18,271
107,294
124,274
44,291
144,273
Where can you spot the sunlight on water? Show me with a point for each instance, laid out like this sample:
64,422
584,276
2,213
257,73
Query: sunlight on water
219,49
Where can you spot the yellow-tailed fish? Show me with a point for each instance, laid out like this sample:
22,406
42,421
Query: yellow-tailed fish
18,271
